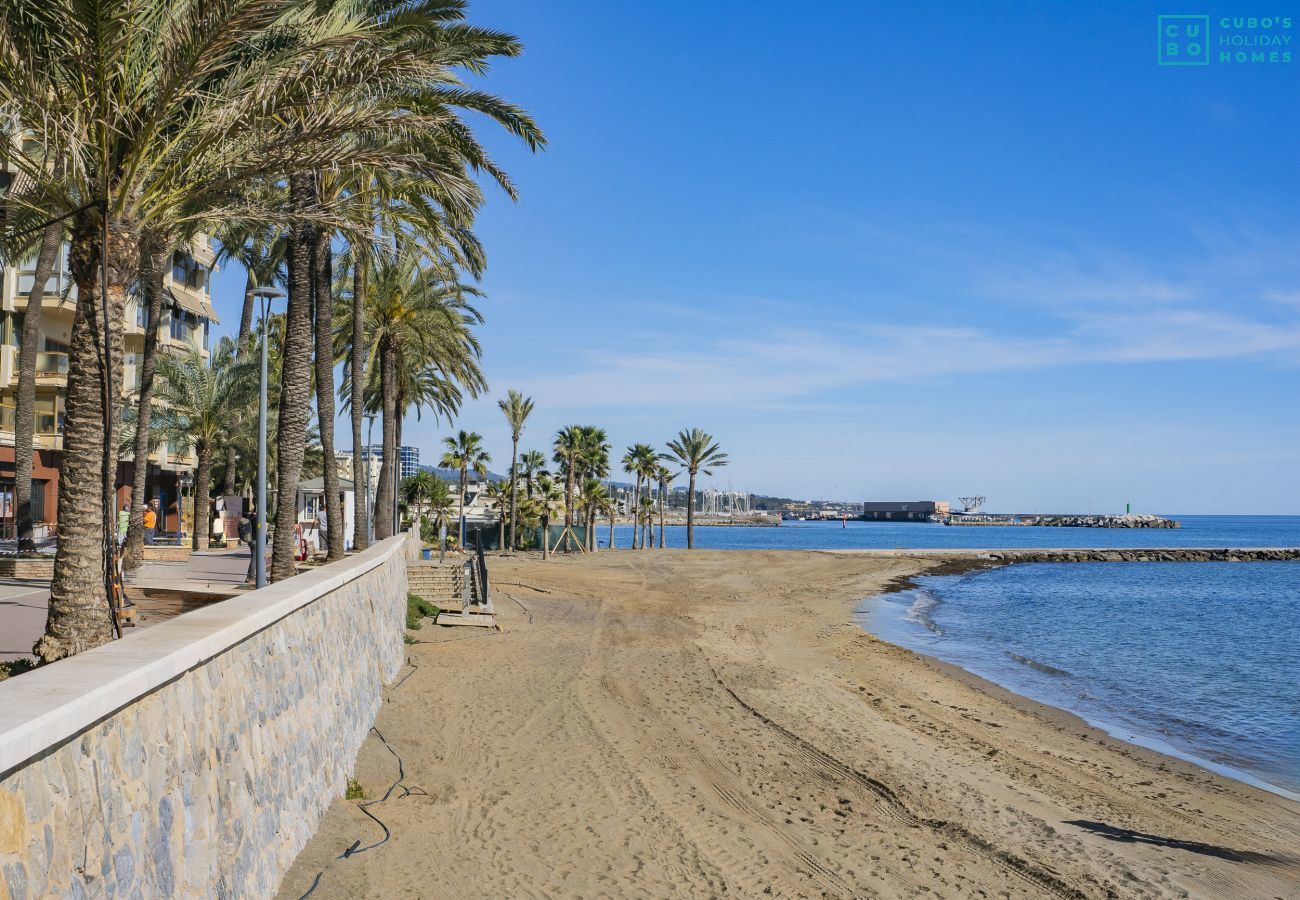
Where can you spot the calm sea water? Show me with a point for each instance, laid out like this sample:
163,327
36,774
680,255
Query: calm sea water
1198,660
1194,659
1197,531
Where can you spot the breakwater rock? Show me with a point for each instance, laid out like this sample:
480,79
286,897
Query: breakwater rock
1135,554
1126,521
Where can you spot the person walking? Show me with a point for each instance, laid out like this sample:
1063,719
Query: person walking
248,535
150,523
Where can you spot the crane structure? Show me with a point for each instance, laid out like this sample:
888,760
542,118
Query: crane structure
972,504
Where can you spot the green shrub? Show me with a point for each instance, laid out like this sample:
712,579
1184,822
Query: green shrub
16,667
355,790
416,609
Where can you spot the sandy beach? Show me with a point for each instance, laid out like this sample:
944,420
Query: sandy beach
673,724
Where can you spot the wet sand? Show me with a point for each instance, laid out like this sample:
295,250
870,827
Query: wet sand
672,724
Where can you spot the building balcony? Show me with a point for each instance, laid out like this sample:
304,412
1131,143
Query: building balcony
51,369
47,430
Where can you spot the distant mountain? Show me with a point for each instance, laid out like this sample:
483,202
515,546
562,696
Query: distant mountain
453,475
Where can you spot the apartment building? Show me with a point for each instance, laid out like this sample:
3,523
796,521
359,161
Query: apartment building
186,322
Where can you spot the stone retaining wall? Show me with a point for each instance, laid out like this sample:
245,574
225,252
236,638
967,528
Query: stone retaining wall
27,569
196,757
166,552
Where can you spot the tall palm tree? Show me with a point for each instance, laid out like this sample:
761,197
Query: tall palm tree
568,444
464,452
593,463
47,254
498,494
516,408
639,461
419,330
418,489
197,400
665,477
595,500
146,106
696,452
439,502
532,464
548,499
631,464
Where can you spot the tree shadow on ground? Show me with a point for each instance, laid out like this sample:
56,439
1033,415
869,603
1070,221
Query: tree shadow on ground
1129,836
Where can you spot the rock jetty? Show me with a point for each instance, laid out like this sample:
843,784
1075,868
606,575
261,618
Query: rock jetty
1132,520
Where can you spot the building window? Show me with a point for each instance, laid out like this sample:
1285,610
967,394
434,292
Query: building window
13,327
187,271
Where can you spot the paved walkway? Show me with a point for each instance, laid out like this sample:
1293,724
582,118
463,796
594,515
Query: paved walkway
23,604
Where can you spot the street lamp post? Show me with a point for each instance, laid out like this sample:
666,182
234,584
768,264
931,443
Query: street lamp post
266,295
370,506
186,481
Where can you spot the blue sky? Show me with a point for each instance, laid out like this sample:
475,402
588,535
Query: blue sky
901,251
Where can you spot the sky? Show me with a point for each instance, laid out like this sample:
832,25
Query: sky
900,251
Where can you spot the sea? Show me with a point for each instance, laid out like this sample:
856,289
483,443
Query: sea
1197,660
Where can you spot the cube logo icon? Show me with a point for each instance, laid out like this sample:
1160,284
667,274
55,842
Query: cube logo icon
1183,40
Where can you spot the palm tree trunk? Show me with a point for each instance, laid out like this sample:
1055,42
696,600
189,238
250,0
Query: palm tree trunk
690,515
153,269
25,405
636,514
202,497
384,497
662,491
501,536
568,497
546,537
295,384
613,510
360,537
80,616
462,523
398,419
323,292
514,486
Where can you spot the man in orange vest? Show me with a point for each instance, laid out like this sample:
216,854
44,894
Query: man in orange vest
150,523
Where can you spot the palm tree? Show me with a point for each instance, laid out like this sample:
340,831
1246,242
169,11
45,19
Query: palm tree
548,500
419,329
568,444
630,462
595,499
648,468
417,489
47,254
665,476
696,452
498,493
197,401
464,452
532,464
145,107
517,409
638,461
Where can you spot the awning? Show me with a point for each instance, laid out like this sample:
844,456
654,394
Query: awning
194,303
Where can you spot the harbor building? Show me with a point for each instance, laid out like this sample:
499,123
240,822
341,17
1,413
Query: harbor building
185,323
905,511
